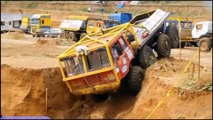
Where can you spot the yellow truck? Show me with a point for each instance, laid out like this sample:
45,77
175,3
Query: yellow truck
39,23
101,62
76,27
25,24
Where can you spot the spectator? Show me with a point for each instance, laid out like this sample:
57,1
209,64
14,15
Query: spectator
89,9
102,10
116,11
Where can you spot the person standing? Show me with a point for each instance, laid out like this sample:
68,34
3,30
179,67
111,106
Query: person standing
89,9
102,10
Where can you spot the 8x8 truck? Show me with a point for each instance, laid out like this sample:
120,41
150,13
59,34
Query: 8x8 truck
101,61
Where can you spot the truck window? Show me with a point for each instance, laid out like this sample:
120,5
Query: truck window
123,44
73,66
97,59
130,38
98,24
83,26
10,23
42,21
91,24
34,21
190,25
199,26
116,51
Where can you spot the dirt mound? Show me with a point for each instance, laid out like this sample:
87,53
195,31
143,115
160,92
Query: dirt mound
27,88
53,42
24,90
63,42
184,101
14,35
46,42
170,72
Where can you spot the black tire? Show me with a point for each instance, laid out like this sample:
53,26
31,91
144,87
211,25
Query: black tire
205,44
37,35
135,77
71,37
100,97
83,35
183,44
146,57
62,35
173,33
163,47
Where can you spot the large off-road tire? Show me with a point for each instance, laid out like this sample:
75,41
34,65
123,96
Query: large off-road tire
71,37
163,47
100,97
135,77
146,57
83,35
173,33
205,44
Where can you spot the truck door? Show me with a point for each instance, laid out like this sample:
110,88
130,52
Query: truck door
99,25
122,56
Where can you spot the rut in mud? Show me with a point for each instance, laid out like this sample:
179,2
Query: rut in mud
23,93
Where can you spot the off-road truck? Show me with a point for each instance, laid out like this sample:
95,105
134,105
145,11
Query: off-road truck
101,61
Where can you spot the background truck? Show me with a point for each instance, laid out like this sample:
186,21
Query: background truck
76,27
121,18
191,32
100,62
202,35
117,18
10,22
183,28
39,23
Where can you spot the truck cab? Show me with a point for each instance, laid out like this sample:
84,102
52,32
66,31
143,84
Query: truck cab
202,35
201,29
96,67
39,23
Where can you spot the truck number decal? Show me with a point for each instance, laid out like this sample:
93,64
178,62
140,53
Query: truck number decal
124,69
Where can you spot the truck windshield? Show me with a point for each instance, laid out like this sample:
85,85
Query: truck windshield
34,21
73,65
97,59
199,26
94,60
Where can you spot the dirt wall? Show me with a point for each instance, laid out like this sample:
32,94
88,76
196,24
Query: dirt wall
23,93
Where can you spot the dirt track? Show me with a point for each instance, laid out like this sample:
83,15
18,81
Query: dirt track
29,66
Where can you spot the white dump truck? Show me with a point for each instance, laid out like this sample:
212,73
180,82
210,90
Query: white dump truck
202,35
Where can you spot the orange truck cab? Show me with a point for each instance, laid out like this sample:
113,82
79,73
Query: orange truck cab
101,69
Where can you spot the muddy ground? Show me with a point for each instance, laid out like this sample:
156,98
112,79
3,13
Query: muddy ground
29,66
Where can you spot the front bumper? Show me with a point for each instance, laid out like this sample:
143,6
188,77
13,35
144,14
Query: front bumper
98,89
